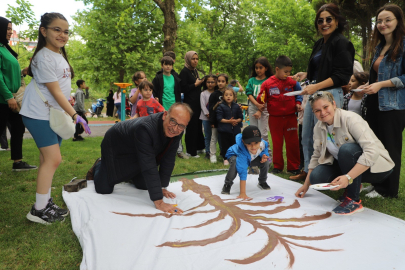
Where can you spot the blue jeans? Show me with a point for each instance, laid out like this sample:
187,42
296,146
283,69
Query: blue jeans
207,135
118,106
348,155
309,124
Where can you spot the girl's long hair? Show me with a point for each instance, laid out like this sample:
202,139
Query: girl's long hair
215,77
264,62
398,34
46,20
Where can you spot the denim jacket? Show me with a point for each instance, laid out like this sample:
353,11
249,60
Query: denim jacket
391,98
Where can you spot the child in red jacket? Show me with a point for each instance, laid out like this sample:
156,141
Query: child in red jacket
282,119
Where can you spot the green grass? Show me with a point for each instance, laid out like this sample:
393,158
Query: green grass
26,245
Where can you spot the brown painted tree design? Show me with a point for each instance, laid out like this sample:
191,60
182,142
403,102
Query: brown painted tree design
254,217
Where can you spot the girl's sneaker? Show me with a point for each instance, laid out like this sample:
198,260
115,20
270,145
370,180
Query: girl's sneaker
348,207
46,216
60,211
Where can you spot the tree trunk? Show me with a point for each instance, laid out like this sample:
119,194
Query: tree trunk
170,25
122,74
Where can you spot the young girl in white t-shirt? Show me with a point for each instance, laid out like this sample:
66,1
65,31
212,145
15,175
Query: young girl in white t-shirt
52,73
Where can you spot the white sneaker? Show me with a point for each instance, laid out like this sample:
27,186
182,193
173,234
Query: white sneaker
374,194
367,189
213,159
196,156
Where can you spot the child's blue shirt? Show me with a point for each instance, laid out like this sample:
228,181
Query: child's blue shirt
243,157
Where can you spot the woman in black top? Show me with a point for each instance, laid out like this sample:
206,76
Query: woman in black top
330,67
191,87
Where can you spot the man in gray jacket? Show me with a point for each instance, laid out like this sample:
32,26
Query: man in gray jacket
79,107
142,151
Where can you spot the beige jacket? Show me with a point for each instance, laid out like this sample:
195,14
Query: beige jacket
349,127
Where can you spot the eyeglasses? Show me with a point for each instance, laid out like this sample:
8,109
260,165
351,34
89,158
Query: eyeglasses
327,20
386,21
173,123
317,94
60,31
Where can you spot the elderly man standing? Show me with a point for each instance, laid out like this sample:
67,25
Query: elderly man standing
143,151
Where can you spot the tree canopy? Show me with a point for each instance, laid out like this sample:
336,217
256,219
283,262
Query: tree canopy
114,39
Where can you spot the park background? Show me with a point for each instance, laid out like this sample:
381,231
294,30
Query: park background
111,40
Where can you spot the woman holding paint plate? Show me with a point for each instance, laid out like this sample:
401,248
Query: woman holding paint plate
330,67
346,152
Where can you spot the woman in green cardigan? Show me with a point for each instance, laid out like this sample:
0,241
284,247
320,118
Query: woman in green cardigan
10,82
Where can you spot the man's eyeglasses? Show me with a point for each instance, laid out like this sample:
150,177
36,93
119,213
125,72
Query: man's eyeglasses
173,123
386,21
327,19
60,31
317,94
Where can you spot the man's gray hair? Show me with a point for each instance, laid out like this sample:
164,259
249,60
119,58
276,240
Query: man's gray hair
183,105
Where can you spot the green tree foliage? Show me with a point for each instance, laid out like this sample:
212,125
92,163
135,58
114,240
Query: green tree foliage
117,39
23,14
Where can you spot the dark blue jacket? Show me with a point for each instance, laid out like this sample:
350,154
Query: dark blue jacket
226,112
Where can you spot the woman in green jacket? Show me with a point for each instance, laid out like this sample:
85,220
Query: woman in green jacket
10,82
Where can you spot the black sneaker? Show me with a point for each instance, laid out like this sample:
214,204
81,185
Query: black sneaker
46,216
263,186
60,211
22,166
275,171
294,172
207,155
226,189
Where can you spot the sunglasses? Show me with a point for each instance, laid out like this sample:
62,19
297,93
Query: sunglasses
317,94
327,20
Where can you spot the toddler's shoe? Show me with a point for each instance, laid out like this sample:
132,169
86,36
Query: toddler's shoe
263,186
226,189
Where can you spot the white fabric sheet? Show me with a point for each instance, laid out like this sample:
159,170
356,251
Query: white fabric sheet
367,240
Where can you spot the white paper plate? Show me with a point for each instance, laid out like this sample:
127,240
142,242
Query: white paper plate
294,93
322,186
357,90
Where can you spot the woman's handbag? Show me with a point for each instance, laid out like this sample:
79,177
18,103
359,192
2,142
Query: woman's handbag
19,95
61,123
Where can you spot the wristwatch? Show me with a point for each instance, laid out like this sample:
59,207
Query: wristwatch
350,179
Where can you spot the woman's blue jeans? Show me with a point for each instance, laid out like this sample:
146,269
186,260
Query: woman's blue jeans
309,124
348,155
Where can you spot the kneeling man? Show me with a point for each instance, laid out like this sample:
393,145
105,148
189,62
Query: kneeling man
143,151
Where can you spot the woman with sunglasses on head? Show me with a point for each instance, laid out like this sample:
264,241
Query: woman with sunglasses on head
346,153
386,92
330,67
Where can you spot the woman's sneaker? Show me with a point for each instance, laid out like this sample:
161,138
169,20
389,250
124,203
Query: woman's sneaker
374,194
348,207
46,216
60,211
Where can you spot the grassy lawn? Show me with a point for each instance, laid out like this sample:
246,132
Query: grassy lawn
26,245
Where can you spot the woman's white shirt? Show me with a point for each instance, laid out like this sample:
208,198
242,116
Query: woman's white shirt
47,66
